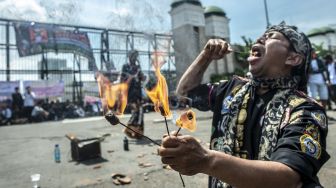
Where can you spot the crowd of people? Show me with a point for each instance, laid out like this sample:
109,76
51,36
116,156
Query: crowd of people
27,108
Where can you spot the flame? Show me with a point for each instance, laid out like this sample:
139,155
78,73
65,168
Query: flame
159,93
113,96
187,120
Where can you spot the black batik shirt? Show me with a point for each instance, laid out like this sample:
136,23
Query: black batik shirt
301,143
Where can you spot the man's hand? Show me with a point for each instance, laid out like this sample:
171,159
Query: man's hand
216,49
184,154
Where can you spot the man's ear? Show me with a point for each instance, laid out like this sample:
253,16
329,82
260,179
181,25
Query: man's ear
294,59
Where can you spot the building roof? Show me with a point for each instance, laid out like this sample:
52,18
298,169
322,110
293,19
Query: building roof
176,3
320,31
214,10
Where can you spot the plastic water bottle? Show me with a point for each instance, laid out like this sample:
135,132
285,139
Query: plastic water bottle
126,144
57,154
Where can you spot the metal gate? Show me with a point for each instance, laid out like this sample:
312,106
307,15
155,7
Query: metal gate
110,47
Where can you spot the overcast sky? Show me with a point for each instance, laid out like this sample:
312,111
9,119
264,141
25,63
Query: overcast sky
247,17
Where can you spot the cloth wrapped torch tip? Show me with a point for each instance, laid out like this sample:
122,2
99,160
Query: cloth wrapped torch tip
112,118
162,111
187,120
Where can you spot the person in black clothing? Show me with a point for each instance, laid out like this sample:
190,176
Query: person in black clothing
17,103
132,74
266,132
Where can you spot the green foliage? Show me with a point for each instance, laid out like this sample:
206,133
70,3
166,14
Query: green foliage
243,50
321,52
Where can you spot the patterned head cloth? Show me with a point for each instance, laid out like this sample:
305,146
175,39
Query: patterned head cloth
300,44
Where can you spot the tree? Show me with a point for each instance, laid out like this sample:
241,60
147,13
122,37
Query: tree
320,50
243,51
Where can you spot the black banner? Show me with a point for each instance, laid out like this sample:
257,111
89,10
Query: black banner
35,38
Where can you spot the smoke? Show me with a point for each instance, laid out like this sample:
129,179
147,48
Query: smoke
22,9
143,15
139,15
61,11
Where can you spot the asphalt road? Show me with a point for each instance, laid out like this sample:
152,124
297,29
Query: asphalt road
28,149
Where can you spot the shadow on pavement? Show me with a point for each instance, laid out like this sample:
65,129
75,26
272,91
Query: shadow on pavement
144,141
91,161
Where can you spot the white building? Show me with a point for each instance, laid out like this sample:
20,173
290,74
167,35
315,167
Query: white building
217,26
192,26
188,27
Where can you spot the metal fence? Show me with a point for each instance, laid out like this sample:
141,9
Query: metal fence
110,47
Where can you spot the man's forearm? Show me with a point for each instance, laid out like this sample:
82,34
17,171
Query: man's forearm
194,74
250,173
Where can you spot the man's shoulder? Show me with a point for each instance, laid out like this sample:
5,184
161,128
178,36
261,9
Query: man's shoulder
300,104
299,98
303,109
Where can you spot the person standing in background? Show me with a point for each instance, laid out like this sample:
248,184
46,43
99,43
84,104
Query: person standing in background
131,73
318,80
29,103
332,77
17,103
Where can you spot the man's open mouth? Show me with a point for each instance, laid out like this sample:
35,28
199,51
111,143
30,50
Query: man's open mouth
255,54
256,51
